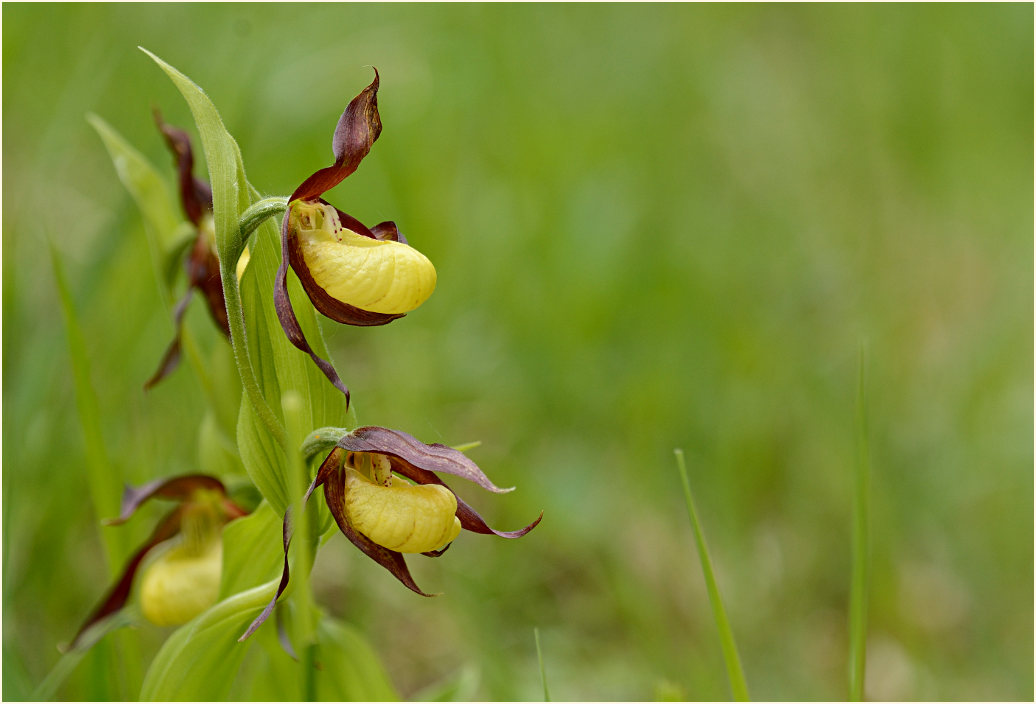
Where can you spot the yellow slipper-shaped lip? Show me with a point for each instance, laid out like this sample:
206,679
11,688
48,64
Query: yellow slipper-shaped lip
401,516
352,274
179,585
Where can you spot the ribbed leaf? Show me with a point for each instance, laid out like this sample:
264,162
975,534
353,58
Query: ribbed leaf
364,679
200,660
251,551
230,194
167,232
346,668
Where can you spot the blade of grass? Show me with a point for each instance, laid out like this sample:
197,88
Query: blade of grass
104,482
103,479
860,545
543,670
738,687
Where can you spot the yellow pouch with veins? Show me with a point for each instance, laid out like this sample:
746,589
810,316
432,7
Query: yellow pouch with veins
401,516
180,584
381,276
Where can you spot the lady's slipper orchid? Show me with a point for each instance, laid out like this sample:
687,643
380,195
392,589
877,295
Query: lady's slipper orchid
184,579
383,492
202,264
352,274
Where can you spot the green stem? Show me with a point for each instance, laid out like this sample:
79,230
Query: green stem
861,546
726,635
321,440
256,215
305,541
250,220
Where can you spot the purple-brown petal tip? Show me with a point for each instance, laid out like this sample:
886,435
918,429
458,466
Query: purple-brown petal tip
195,194
286,315
357,130
470,520
172,488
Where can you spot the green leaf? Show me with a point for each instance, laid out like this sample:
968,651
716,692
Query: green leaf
252,552
231,196
347,668
261,454
200,660
217,455
230,193
351,670
164,225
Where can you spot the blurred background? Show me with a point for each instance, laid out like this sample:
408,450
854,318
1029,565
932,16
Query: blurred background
654,227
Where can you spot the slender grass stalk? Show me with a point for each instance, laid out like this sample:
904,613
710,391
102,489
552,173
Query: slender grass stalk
860,545
103,479
738,687
543,670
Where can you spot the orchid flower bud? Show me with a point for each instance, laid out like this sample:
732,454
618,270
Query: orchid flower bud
184,579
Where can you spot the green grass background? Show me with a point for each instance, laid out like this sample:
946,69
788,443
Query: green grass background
654,227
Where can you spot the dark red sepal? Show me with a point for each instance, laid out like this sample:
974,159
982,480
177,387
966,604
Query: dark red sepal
195,194
437,553
470,520
203,274
171,358
202,265
386,231
357,130
423,459
286,315
175,489
116,597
